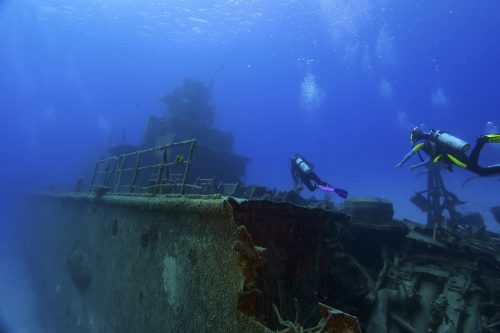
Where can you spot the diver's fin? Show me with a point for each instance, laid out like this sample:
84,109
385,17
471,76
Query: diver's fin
341,193
494,138
327,188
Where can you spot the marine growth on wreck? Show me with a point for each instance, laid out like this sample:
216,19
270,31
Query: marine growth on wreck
183,249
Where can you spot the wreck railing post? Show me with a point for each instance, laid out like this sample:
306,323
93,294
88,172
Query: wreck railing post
121,163
188,166
136,172
106,171
110,169
162,166
94,175
167,166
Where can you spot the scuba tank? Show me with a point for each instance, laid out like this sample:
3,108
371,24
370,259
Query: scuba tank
451,142
302,165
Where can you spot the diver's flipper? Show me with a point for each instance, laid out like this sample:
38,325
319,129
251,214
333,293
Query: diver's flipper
494,138
326,188
340,192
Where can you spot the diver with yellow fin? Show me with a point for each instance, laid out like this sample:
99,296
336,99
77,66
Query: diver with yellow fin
302,171
443,147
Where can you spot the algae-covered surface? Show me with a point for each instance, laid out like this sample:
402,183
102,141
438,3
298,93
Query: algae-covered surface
154,264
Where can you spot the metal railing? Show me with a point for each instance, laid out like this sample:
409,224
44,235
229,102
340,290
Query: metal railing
158,176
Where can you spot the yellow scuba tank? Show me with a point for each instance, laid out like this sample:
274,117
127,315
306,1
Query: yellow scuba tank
302,165
449,141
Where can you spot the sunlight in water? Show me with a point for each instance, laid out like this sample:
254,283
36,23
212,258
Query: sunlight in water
439,99
311,95
491,128
311,98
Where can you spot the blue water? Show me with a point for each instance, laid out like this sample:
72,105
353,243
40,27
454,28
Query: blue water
341,82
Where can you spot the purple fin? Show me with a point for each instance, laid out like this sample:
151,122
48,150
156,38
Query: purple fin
325,188
340,192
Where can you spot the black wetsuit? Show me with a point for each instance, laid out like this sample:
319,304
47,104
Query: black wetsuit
472,163
305,173
433,148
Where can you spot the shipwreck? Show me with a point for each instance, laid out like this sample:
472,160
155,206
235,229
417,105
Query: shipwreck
166,237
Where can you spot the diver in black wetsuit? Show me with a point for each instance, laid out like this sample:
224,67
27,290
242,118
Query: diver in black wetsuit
302,171
445,148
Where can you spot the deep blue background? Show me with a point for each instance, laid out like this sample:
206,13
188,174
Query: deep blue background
73,71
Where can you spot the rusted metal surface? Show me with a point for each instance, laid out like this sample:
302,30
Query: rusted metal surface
331,321
285,260
251,259
336,321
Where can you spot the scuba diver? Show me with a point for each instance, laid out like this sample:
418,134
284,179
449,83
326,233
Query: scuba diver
443,147
302,171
